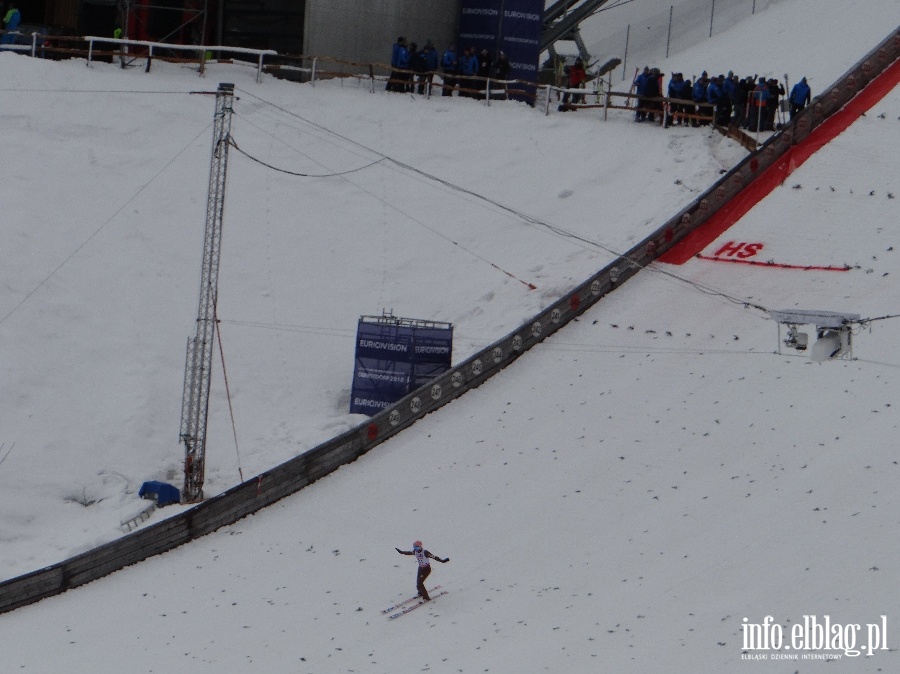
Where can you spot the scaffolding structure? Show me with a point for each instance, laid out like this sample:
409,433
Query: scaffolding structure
135,16
561,21
198,361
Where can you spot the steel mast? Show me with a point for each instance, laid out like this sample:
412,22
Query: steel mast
198,362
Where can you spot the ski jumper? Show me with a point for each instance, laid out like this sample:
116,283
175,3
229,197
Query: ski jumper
422,556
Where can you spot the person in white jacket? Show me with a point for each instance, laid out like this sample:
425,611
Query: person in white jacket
422,556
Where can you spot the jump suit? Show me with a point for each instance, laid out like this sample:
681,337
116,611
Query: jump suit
424,571
422,556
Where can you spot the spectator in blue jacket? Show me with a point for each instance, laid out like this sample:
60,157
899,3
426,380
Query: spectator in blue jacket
399,61
742,89
759,97
468,66
639,85
419,66
718,96
648,90
405,64
425,65
431,57
776,89
450,67
731,81
11,22
698,95
680,90
730,84
800,97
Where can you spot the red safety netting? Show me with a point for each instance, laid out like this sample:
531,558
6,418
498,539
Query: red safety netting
777,173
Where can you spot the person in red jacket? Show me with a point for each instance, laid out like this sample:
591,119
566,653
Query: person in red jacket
577,77
422,556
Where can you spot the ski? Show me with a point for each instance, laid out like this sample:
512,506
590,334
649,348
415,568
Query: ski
408,601
413,607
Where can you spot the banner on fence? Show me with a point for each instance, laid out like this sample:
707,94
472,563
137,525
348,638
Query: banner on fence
511,26
395,356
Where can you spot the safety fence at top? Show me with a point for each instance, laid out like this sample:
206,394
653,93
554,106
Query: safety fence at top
374,76
294,474
679,26
308,68
546,97
127,52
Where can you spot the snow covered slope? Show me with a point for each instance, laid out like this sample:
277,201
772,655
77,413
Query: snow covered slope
620,500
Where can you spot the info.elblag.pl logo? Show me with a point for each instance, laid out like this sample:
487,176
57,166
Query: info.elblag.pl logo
814,638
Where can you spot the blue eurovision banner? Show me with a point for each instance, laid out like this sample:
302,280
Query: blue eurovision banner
432,353
382,372
395,356
511,26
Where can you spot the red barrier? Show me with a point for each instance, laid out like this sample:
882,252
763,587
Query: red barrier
777,173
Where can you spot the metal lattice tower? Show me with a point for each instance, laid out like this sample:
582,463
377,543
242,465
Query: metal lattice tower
198,363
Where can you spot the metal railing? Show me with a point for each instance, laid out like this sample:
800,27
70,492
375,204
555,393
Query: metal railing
677,27
200,50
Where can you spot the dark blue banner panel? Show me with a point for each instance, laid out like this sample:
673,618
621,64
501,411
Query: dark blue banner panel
511,26
395,356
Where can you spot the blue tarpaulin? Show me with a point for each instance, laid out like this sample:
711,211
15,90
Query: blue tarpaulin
165,494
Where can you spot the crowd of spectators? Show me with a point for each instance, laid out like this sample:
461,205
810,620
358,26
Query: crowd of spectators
466,72
751,103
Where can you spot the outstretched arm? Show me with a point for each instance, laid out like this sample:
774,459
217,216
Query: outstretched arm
403,552
442,561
